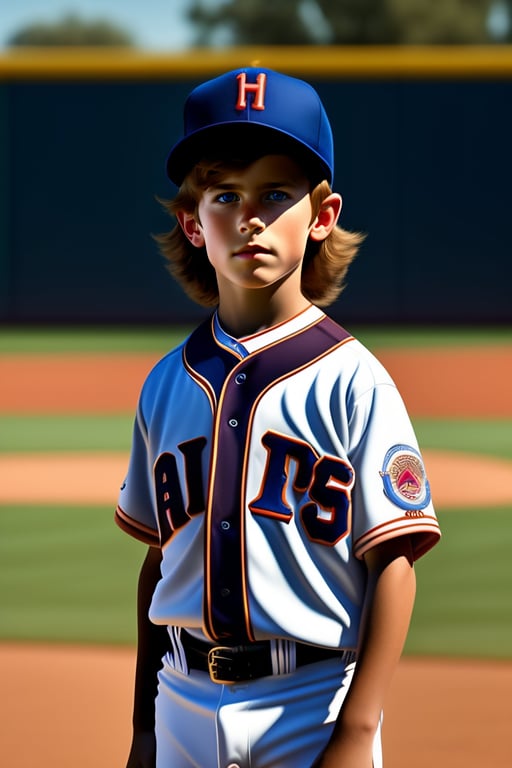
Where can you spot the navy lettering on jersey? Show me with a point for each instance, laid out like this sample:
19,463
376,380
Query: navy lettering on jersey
172,513
325,484
327,520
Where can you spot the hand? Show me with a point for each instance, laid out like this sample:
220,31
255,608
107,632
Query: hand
143,750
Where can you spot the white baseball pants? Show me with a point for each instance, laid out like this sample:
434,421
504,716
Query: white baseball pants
274,722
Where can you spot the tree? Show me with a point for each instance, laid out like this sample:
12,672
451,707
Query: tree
360,22
344,22
275,23
450,22
71,30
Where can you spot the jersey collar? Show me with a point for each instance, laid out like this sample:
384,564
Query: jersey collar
248,344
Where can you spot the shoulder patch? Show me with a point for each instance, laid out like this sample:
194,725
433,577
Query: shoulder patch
404,478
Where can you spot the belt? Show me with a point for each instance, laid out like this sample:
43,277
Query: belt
232,664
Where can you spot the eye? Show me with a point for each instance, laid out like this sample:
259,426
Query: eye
277,196
227,197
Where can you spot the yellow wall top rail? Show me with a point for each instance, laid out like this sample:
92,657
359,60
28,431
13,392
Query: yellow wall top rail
336,62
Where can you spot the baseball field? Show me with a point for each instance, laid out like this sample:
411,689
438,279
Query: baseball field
68,575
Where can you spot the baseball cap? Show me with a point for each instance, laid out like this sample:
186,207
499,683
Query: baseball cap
262,108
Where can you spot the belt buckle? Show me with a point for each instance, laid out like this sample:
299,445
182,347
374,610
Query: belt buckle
221,664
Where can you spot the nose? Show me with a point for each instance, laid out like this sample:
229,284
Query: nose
251,222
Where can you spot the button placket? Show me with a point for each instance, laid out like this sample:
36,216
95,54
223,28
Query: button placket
227,610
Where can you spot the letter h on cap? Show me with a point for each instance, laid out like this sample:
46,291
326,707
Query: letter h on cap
258,88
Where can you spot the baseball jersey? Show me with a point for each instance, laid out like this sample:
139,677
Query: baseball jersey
265,467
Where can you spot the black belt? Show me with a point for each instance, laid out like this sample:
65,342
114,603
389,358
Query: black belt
231,664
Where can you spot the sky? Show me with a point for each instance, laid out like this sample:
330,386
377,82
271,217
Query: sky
158,25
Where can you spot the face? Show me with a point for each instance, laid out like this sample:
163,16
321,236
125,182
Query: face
255,223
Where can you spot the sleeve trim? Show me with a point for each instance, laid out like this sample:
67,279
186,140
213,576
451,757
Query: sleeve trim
138,530
425,533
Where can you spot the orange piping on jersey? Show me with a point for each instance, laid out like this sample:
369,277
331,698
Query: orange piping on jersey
346,488
243,557
220,344
228,349
201,382
299,368
208,523
138,530
245,586
333,344
164,539
208,629
295,485
245,590
333,482
284,322
298,332
424,534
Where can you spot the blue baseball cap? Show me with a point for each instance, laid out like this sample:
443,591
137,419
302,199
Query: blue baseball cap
265,110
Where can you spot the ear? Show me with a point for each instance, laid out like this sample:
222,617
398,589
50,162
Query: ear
191,228
327,217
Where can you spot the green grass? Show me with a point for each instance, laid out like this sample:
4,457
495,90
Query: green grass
23,340
66,340
492,437
463,603
68,574
107,432
112,432
377,337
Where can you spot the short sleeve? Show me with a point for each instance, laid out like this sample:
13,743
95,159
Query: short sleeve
135,513
392,493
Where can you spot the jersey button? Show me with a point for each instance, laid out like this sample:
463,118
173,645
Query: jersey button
225,525
233,423
240,378
225,592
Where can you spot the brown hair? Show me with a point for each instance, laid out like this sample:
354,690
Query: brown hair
325,263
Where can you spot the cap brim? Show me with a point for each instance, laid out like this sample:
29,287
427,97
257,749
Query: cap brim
240,139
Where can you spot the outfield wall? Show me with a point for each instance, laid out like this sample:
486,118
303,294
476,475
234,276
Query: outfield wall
423,161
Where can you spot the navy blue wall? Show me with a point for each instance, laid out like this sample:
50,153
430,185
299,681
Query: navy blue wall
424,167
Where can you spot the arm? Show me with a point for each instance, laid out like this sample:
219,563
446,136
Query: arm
388,608
151,645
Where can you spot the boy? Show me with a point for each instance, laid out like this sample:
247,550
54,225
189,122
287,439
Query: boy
274,472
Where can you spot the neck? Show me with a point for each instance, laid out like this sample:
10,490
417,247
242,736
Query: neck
244,315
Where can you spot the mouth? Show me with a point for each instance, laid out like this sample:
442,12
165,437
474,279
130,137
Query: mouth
250,251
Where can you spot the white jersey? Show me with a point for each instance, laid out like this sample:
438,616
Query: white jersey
265,468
